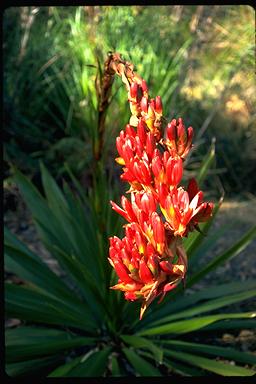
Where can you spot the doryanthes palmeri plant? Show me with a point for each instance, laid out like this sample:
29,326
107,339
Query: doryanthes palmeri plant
71,324
150,259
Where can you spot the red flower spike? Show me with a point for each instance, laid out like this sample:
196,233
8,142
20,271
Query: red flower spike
153,166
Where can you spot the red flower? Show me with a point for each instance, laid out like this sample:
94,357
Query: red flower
159,212
142,272
178,141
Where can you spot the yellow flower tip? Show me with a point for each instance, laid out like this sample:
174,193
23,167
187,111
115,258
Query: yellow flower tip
179,269
142,310
141,249
120,160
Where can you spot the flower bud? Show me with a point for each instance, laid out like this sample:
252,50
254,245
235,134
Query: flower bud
174,171
144,104
158,105
133,90
144,87
144,272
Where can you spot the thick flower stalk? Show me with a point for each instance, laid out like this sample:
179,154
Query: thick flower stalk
150,259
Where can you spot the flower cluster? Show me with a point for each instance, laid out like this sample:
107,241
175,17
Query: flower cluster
150,259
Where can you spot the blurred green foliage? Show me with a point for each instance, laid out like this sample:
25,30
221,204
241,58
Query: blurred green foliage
200,59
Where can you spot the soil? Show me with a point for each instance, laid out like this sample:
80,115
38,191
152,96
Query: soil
237,216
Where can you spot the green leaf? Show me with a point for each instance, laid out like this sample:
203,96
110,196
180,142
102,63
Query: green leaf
183,369
140,365
211,365
186,301
195,239
141,342
54,195
31,366
206,163
230,324
27,342
64,369
233,251
84,281
208,306
115,368
11,240
91,365
230,353
58,226
27,304
33,270
186,326
198,250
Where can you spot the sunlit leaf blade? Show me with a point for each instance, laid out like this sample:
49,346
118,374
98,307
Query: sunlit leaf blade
27,342
208,306
115,368
183,369
220,368
91,365
22,303
186,301
33,366
233,251
186,326
230,324
230,353
140,365
141,342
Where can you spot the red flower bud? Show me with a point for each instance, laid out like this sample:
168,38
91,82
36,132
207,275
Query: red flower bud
133,90
174,171
144,272
122,272
144,104
148,203
144,86
141,131
150,144
158,105
158,228
130,130
192,188
171,130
